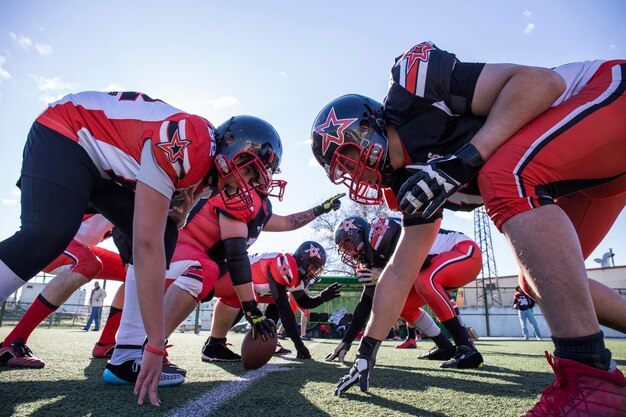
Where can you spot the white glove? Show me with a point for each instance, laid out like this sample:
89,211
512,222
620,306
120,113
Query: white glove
368,276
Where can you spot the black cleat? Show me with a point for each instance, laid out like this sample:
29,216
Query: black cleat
127,372
281,350
465,357
437,354
219,352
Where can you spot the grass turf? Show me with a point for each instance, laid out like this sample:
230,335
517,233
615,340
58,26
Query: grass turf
514,375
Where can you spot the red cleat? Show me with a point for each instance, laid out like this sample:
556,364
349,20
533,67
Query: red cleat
580,390
407,344
103,351
18,355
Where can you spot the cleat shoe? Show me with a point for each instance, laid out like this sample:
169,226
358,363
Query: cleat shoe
219,353
465,357
581,390
437,354
407,344
126,374
18,355
172,368
281,350
306,338
102,351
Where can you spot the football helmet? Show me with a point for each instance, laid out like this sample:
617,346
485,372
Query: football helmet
349,141
248,154
310,258
352,239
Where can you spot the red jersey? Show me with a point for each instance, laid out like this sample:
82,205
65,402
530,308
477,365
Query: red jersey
283,268
203,231
130,136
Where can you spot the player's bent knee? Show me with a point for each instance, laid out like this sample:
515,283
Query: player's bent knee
190,284
90,268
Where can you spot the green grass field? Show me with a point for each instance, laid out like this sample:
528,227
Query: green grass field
514,375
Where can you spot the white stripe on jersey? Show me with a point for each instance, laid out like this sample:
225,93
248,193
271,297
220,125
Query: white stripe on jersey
444,242
114,108
106,156
183,136
151,173
165,138
93,230
258,256
281,262
420,83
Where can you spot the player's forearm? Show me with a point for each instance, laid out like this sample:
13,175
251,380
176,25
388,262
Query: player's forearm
245,292
290,222
150,278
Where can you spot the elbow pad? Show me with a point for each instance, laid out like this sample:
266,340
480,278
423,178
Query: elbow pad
237,260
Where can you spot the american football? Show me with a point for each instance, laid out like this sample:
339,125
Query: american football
257,352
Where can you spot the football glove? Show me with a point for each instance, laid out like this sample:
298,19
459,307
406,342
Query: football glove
332,203
435,181
303,352
368,276
360,373
330,292
339,353
261,325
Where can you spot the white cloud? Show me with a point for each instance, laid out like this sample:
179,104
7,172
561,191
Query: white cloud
43,49
283,74
464,215
4,74
527,13
530,28
611,47
115,87
21,41
52,84
223,102
8,202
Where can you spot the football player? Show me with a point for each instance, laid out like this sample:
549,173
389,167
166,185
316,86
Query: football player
81,262
517,137
453,261
275,275
126,155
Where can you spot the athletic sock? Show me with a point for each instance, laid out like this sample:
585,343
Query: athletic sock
36,313
457,331
588,350
442,342
111,326
411,333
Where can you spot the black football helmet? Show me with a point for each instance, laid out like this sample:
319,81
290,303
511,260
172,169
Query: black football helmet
352,239
357,123
247,142
311,258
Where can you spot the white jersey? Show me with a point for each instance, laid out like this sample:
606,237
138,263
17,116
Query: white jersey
576,76
446,240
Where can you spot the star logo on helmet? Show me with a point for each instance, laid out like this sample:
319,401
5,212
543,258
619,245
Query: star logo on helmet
174,149
346,225
379,228
417,53
332,129
313,251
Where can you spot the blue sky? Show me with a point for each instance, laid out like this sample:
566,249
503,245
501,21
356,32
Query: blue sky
278,60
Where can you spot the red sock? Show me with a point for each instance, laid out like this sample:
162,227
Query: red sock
36,313
110,327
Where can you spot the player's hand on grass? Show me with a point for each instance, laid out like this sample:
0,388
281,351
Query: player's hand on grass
148,378
360,372
339,353
303,352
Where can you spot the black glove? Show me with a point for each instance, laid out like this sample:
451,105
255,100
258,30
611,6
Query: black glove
332,203
360,373
330,292
261,325
303,352
339,353
433,182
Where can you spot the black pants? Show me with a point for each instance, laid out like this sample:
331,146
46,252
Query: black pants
59,182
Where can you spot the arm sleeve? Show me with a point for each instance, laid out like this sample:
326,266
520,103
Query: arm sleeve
279,293
360,315
306,301
237,260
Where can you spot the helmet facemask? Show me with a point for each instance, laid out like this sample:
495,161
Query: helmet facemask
351,252
360,170
233,185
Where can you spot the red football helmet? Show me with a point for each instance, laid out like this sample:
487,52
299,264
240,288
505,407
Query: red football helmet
248,154
349,140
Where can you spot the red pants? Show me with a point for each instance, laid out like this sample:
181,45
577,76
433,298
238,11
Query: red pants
448,270
89,262
573,154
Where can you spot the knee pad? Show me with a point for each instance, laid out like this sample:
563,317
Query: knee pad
89,266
